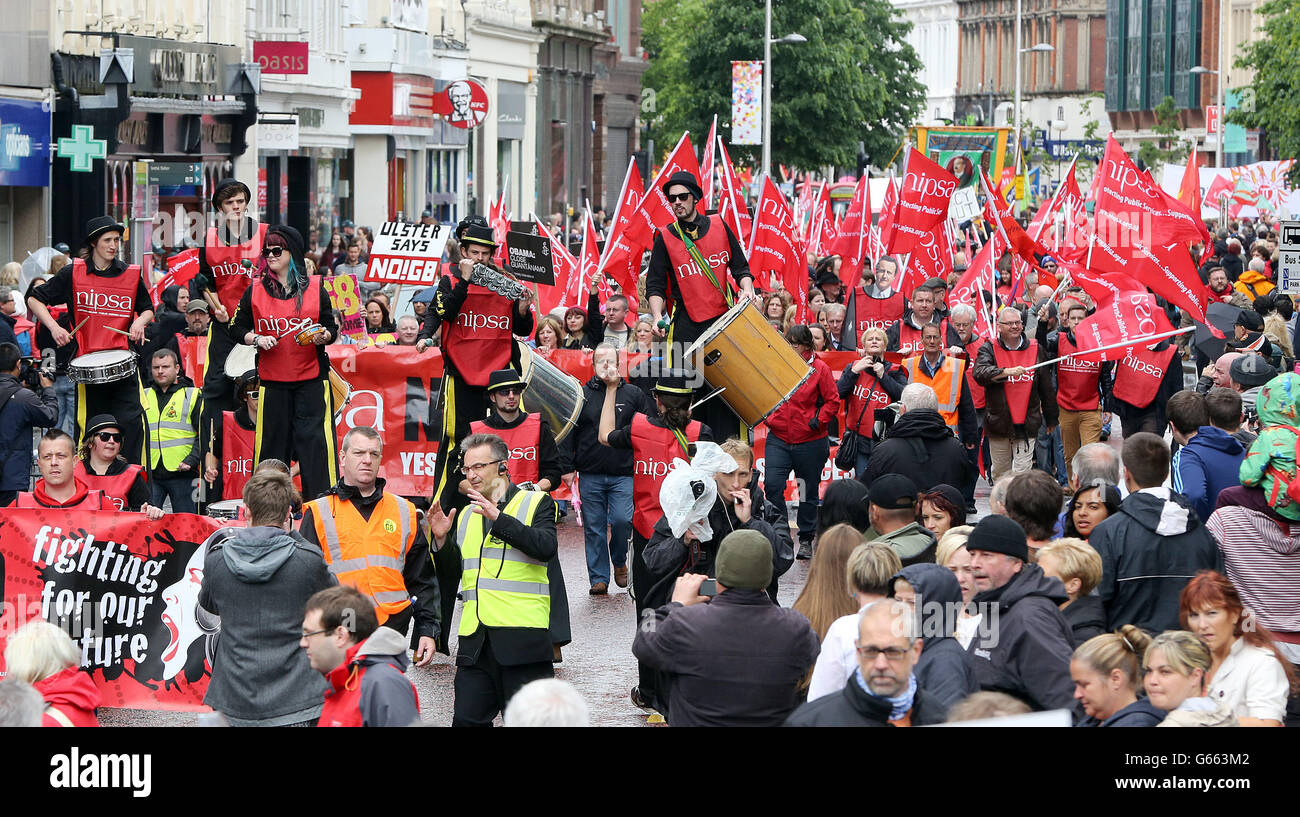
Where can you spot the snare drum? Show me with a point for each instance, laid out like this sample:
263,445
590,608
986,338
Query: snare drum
241,360
744,355
307,337
227,509
550,392
341,389
104,366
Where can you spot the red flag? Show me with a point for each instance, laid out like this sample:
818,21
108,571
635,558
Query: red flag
184,266
566,268
885,224
621,258
931,258
981,276
775,249
1100,286
706,166
156,291
1220,187
998,213
654,210
923,200
823,230
1189,191
732,190
1131,316
850,244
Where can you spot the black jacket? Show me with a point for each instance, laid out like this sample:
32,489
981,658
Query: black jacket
1086,617
1027,654
854,706
18,414
945,671
921,447
1149,550
1138,713
1051,341
447,301
735,661
997,413
581,450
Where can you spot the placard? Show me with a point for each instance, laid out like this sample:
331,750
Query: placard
530,258
964,206
407,253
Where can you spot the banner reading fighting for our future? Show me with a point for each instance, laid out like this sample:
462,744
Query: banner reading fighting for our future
125,588
393,389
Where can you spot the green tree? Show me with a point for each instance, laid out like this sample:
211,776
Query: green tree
1165,149
854,80
1277,82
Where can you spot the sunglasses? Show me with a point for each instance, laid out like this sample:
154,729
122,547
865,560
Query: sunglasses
109,436
272,252
679,196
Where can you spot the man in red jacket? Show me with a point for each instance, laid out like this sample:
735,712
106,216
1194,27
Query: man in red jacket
365,664
797,439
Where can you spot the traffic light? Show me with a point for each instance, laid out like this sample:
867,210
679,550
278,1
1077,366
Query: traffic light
863,159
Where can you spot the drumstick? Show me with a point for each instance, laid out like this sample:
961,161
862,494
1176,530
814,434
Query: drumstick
214,299
707,398
115,329
77,328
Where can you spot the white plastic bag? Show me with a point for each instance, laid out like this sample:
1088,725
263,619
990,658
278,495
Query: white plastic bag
688,492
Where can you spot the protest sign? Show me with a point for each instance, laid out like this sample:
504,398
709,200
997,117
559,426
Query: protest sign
407,253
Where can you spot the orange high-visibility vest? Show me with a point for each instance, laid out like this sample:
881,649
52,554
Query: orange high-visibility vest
368,554
946,383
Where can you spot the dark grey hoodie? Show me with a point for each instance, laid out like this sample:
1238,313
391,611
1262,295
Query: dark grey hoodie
258,580
945,671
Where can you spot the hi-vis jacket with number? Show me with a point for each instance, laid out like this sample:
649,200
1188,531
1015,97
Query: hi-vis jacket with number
368,554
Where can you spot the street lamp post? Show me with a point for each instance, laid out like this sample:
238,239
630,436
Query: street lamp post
768,42
1218,147
1037,48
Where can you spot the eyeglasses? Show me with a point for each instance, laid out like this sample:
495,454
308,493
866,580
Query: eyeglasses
679,196
272,252
872,653
1009,323
109,437
478,467
317,632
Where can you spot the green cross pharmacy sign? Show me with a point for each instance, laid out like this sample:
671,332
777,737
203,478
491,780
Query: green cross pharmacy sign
82,148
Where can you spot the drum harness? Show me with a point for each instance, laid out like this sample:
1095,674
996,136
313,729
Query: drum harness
703,265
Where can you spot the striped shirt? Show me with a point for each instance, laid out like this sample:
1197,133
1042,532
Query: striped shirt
1263,562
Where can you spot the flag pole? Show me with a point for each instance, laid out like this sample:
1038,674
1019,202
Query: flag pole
1132,342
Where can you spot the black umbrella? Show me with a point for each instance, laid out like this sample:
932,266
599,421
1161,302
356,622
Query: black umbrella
1222,317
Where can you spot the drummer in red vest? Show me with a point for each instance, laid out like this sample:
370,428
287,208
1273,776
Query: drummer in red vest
228,260
1081,385
905,334
104,295
873,303
477,328
287,315
230,455
100,465
534,464
694,263
58,486
655,442
1017,399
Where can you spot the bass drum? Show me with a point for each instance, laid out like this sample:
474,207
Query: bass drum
743,355
241,360
550,392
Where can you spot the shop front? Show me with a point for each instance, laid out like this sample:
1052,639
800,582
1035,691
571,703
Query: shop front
24,175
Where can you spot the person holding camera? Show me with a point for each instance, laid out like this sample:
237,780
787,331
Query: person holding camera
866,386
21,409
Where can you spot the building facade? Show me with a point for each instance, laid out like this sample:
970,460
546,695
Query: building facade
934,36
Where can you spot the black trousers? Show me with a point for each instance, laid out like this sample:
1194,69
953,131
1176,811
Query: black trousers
485,687
122,399
296,421
218,395
647,677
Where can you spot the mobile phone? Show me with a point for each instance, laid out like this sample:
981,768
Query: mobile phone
709,587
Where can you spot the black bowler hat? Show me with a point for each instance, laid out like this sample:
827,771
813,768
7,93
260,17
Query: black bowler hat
475,230
687,180
673,382
99,225
502,378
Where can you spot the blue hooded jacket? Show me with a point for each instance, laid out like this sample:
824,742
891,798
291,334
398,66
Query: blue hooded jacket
1206,465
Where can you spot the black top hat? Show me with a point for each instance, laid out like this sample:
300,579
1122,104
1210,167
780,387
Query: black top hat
99,225
475,230
505,377
687,180
673,382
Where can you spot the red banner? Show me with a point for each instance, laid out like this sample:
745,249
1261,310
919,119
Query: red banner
851,242
126,590
194,357
1129,316
923,200
775,250
620,258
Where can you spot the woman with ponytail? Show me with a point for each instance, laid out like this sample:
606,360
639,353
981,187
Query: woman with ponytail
295,409
1107,673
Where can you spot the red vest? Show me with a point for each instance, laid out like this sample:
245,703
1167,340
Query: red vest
478,342
1139,374
867,391
194,356
93,501
108,302
237,451
287,362
653,452
232,278
1018,389
874,313
524,442
1076,380
972,354
114,488
909,339
703,301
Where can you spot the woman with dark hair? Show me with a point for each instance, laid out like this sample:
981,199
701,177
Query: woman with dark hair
100,465
379,323
820,343
1088,507
942,509
549,333
168,322
845,502
798,438
295,403
334,252
1248,675
774,307
576,335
